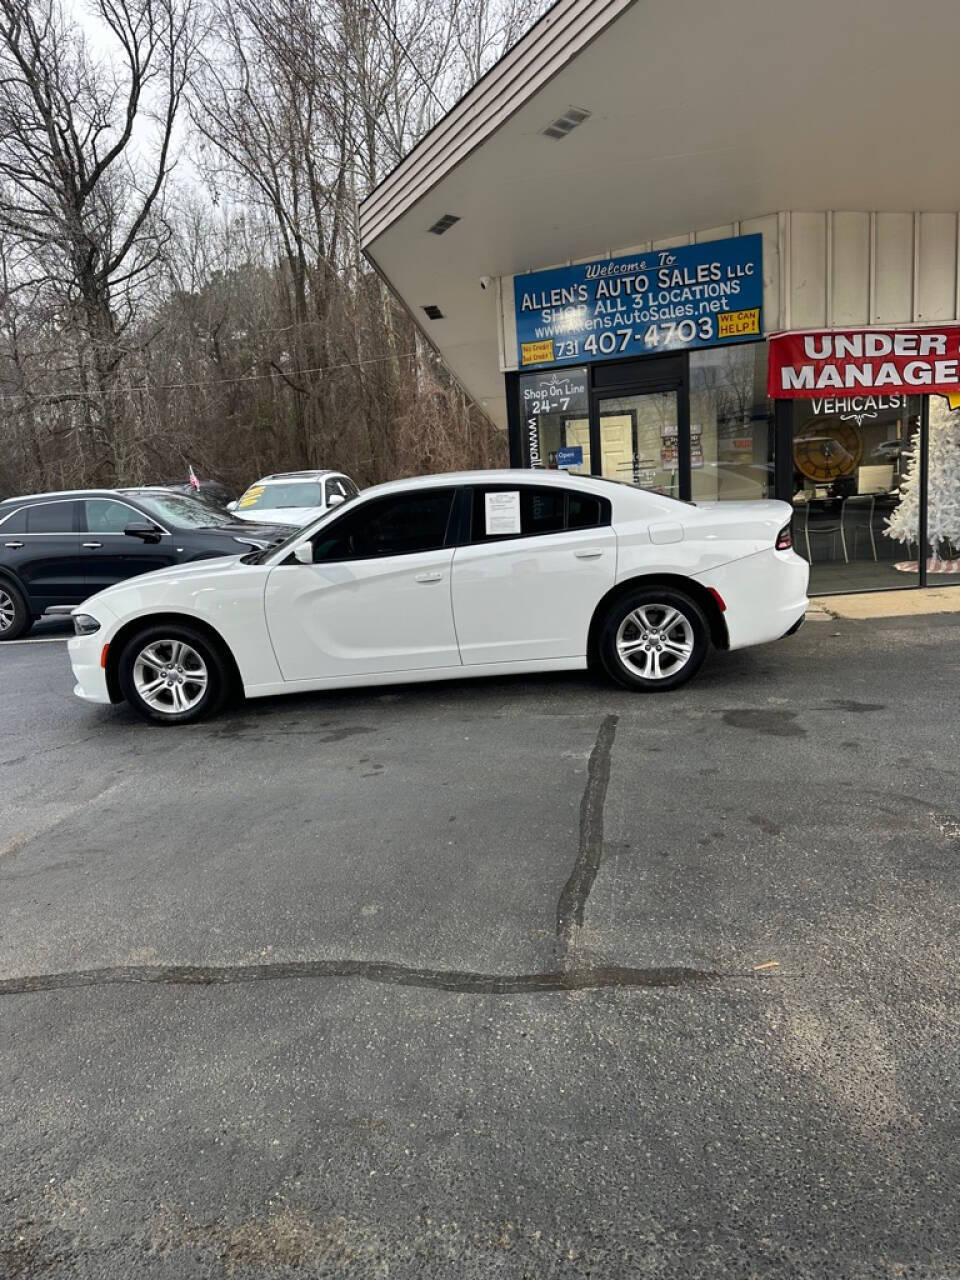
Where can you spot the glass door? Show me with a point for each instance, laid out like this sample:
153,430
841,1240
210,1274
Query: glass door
639,439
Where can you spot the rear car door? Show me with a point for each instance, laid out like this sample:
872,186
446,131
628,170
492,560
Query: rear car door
376,600
41,545
110,555
538,562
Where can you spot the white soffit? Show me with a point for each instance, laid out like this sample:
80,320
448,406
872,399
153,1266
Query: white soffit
701,114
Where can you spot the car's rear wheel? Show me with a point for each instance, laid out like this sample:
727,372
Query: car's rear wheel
15,617
173,675
653,639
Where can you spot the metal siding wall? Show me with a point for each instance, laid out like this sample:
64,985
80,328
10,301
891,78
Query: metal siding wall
840,269
893,295
808,270
768,228
937,283
850,300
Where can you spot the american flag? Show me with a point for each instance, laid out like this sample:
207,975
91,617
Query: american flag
194,482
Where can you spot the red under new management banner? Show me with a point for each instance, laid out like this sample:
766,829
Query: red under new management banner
805,366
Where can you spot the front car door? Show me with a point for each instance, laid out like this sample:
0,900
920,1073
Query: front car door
376,599
41,545
110,555
538,562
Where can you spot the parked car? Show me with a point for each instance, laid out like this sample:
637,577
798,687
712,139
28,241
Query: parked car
211,491
481,573
296,497
58,548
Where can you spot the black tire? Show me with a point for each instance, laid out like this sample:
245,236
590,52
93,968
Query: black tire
198,655
15,617
636,619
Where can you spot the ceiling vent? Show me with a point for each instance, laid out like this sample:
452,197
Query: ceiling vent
444,224
560,127
433,311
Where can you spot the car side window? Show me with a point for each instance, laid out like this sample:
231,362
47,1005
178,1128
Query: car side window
538,510
401,524
50,517
106,516
17,523
541,510
337,487
584,511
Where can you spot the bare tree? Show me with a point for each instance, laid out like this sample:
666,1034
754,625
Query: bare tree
145,324
85,149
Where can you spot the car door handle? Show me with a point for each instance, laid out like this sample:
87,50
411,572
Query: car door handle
93,545
429,577
589,553
14,546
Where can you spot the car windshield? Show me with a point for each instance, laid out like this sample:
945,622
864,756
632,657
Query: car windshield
183,512
301,493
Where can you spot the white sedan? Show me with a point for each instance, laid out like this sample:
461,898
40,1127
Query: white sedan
481,573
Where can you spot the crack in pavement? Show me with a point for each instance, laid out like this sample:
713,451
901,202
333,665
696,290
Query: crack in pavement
574,895
569,976
463,982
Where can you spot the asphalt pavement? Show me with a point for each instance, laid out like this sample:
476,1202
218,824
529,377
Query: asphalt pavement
517,978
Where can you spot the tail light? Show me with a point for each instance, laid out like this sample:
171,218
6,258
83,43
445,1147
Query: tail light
784,539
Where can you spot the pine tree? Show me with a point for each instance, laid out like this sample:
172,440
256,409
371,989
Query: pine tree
943,485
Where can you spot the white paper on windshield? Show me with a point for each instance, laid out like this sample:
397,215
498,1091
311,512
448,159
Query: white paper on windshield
503,512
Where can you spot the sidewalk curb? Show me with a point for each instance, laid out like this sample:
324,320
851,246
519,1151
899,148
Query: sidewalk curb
908,603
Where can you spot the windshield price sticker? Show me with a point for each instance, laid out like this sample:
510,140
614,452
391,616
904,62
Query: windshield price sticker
700,295
503,512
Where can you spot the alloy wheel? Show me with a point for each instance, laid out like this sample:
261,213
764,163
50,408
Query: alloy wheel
170,676
8,611
655,641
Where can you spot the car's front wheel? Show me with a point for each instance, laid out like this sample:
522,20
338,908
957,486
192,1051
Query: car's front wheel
173,675
15,617
653,639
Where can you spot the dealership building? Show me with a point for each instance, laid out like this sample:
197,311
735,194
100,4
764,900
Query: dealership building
714,251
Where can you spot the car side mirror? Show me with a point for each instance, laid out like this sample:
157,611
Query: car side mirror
146,531
303,553
231,506
336,500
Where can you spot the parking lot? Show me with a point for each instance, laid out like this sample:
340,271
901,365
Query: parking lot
524,978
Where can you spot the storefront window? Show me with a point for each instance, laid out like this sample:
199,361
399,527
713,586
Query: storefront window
856,477
943,494
731,424
556,423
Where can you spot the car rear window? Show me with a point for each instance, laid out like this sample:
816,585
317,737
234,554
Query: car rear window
541,510
50,517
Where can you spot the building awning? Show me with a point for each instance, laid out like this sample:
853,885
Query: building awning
613,124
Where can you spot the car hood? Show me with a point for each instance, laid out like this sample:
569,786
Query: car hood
290,516
266,530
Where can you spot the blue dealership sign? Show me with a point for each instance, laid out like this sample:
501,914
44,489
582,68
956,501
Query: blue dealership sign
698,295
